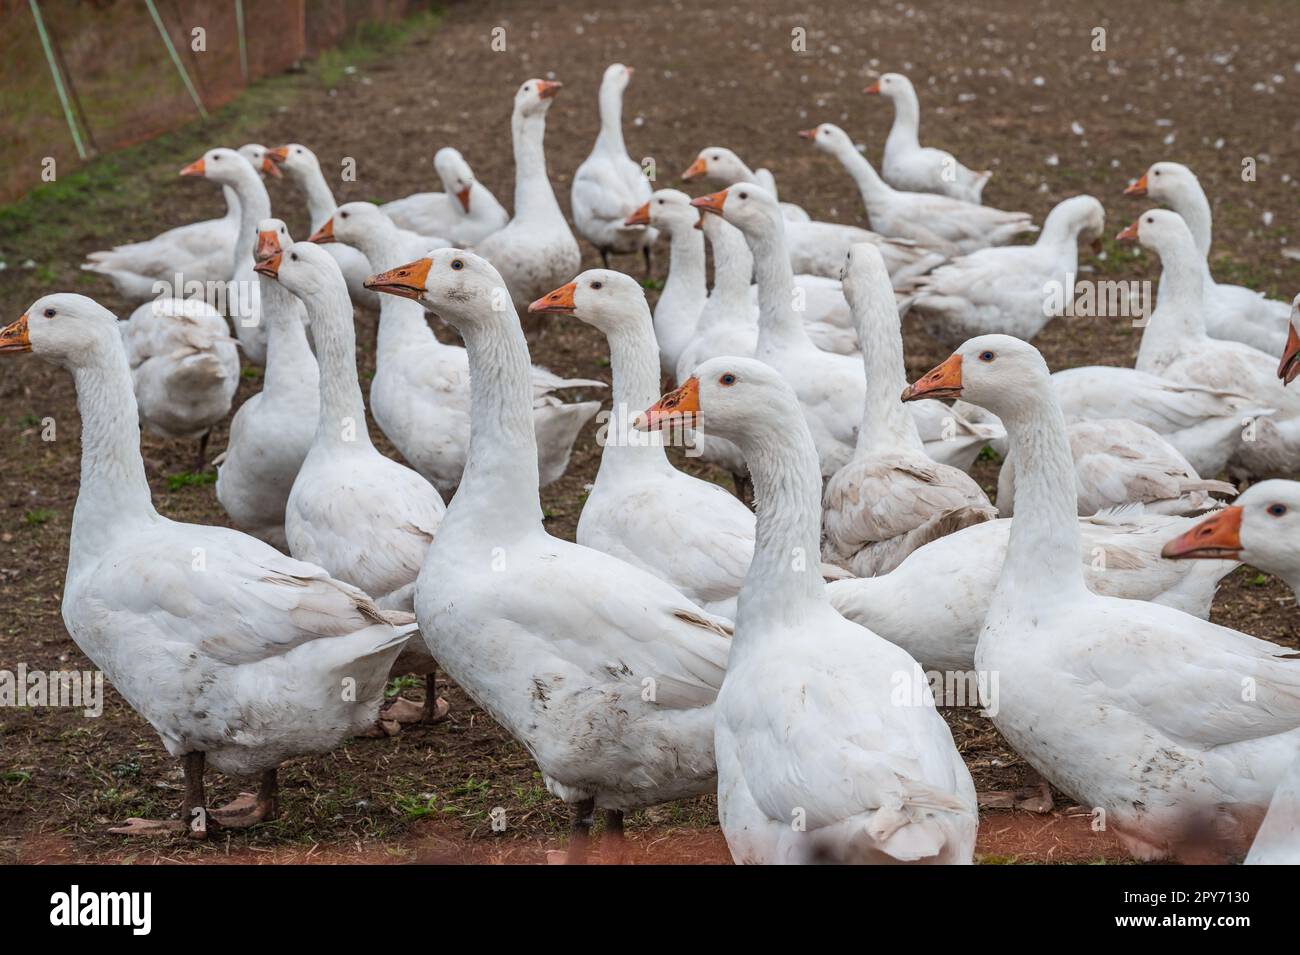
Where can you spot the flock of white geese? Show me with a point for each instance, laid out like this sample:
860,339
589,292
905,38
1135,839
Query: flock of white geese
685,643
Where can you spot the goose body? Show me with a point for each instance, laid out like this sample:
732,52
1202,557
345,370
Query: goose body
465,211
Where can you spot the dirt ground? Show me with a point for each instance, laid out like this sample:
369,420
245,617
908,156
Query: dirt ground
1001,83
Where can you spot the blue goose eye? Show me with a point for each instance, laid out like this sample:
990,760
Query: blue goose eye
1277,510
727,379
987,356
457,264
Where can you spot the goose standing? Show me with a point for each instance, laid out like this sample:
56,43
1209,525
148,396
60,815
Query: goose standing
233,652
536,251
419,395
272,431
608,187
947,226
1008,290
465,211
185,367
1261,530
1129,707
603,671
911,167
817,761
1175,346
891,498
1231,311
722,167
362,516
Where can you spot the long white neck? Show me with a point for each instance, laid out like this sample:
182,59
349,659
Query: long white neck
785,575
886,424
1178,319
874,190
290,363
907,118
610,138
1060,231
232,205
533,193
634,360
686,288
342,422
1043,554
320,200
114,493
779,325
733,267
403,323
254,206
1189,201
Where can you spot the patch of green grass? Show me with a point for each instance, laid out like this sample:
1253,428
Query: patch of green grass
398,684
39,516
28,421
988,454
191,479
1259,580
251,371
369,40
656,285
15,777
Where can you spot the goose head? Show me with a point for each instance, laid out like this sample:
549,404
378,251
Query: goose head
1160,230
889,85
1289,366
998,372
741,399
226,166
829,138
461,287
616,78
65,329
535,95
862,275
272,239
605,299
1165,182
748,207
295,159
1080,217
351,224
259,158
1262,528
305,269
717,164
457,178
668,209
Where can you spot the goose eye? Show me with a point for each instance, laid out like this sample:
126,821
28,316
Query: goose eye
727,379
49,313
1150,220
1277,510
1156,173
744,195
457,264
343,215
294,256
596,285
987,356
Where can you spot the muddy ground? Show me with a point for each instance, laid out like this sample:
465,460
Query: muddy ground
1001,84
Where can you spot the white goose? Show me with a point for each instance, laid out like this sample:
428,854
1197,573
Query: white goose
233,652
362,516
1009,289
465,211
1118,462
603,671
722,167
641,509
891,498
407,245
1128,707
831,388
419,395
536,251
817,760
1231,311
185,367
911,167
1175,346
199,252
608,187
1261,530
272,431
948,226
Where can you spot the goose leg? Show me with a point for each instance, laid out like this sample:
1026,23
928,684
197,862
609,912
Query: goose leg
203,452
194,813
435,710
604,257
250,809
645,250
614,836
580,831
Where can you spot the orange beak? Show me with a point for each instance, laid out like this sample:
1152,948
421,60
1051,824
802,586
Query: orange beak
1289,366
808,134
547,89
713,202
463,196
699,224
195,168
269,267
697,169
1217,537
14,337
640,217
873,89
278,155
270,168
561,300
1130,234
268,246
325,233
942,381
1138,188
405,281
682,405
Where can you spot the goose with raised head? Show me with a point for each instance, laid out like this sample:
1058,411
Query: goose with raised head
891,498
1126,706
1263,529
465,211
419,395
948,226
604,672
831,388
272,431
185,367
365,518
237,662
536,250
808,724
608,187
1118,462
1175,345
200,252
911,167
722,167
641,509
1014,290
1231,311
